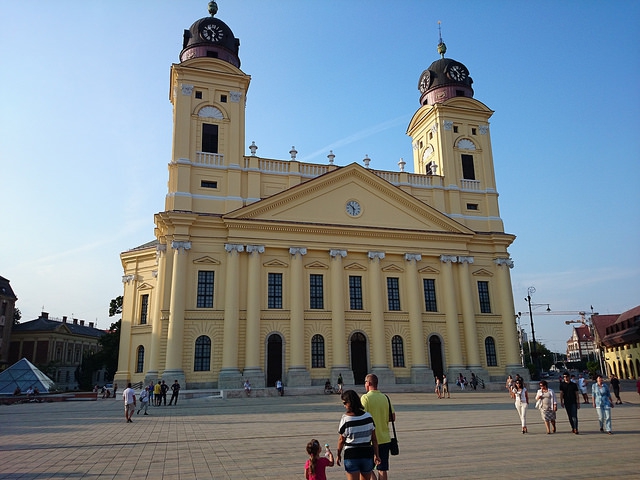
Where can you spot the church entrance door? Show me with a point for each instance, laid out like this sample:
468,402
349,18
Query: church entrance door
274,359
435,355
359,358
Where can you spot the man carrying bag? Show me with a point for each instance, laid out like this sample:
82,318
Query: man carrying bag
380,408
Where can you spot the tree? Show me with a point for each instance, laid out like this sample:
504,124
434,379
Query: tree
115,307
17,315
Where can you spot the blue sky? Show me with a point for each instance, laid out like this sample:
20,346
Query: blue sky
85,128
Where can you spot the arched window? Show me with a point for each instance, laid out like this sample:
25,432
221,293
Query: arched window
202,355
397,351
490,350
317,351
140,361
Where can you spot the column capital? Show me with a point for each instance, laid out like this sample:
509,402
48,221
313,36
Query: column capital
376,255
184,246
412,257
297,251
233,247
129,278
161,248
504,261
255,248
154,273
337,253
448,258
468,260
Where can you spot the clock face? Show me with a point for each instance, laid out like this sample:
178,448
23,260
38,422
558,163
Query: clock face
425,81
353,208
457,73
212,32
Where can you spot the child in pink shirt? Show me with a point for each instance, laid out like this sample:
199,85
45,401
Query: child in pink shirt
315,466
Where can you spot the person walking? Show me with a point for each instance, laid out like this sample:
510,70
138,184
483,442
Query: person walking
340,383
438,387
602,403
380,408
522,402
314,468
615,386
358,439
175,389
570,400
547,406
144,401
129,396
445,386
582,385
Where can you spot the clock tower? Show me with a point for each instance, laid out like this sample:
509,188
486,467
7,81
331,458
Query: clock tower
451,144
208,92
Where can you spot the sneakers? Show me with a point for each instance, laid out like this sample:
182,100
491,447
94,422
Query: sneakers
146,413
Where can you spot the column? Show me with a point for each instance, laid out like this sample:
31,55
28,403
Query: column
175,336
230,376
156,316
453,346
509,331
339,363
419,370
468,315
123,374
252,365
379,364
297,374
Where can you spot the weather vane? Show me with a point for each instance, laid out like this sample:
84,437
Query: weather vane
442,48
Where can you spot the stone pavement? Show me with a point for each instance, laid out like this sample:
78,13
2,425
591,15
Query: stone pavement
472,435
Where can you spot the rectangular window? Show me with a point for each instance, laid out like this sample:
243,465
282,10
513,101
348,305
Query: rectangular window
468,171
198,94
316,292
355,292
393,293
223,99
205,289
472,206
483,294
144,307
429,285
275,290
455,128
209,138
208,184
473,131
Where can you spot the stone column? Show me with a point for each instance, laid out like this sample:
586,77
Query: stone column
509,331
468,315
123,374
230,376
175,336
298,375
339,363
252,365
377,295
420,372
156,316
453,345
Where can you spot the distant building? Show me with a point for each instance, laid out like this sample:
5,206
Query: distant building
56,347
581,345
621,343
7,306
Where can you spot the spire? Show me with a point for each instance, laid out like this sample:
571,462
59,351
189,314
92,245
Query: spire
442,48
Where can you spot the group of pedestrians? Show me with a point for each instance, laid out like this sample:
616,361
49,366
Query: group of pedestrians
571,391
364,441
153,394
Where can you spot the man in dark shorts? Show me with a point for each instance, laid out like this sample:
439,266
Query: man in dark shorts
570,400
379,406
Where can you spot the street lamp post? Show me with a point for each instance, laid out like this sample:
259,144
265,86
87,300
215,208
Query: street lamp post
534,354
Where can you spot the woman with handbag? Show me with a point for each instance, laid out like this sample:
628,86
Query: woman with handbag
522,402
546,403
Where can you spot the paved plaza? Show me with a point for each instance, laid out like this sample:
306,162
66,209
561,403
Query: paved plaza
472,435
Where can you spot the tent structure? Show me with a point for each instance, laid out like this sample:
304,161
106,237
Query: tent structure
24,374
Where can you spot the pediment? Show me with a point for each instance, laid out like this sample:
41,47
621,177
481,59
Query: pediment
145,286
429,270
323,201
318,265
482,273
355,266
207,260
392,269
275,263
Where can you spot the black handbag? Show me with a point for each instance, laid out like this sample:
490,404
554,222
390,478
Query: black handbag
393,446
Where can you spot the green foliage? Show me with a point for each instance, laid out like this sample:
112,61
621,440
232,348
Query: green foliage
115,307
17,315
593,369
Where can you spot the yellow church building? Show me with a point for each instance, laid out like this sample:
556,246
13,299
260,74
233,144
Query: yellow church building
267,269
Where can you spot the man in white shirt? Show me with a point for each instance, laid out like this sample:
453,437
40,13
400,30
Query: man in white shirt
144,401
129,396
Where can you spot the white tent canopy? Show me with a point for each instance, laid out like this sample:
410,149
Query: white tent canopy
24,374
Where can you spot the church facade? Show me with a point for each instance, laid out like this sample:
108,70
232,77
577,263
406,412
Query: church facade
267,269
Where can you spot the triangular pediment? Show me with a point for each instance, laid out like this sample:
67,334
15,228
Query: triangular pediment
144,286
275,263
392,268
207,260
482,273
429,270
355,266
323,201
319,265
